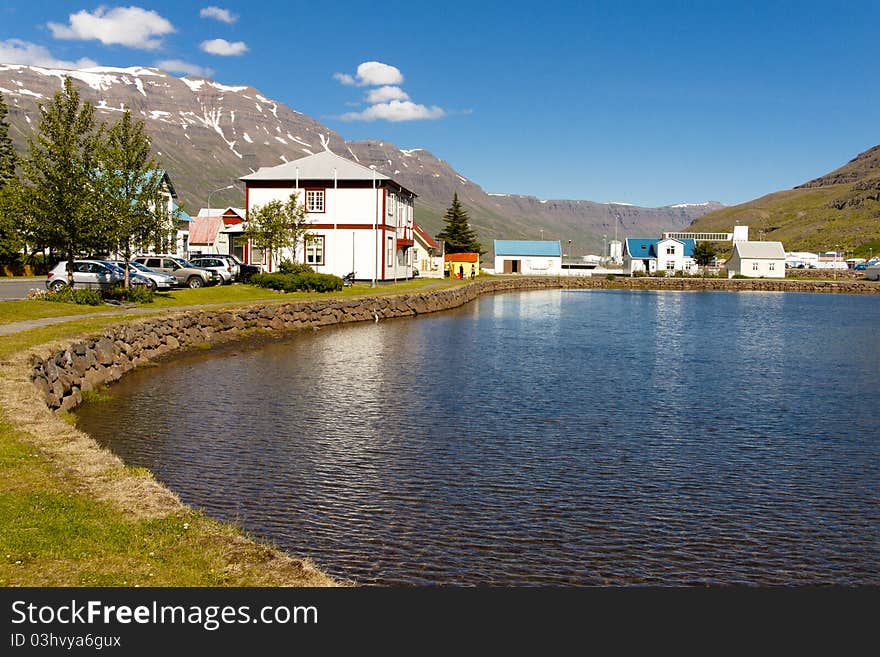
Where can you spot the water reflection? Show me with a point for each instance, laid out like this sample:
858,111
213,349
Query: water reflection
557,438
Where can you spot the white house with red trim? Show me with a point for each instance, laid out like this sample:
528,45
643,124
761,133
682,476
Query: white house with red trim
360,220
427,254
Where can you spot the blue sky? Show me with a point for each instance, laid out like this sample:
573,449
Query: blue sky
651,103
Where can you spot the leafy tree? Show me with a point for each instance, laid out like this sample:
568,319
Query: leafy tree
276,225
59,206
458,234
704,253
130,186
7,153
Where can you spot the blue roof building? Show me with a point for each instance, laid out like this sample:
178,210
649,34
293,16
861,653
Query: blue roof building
535,257
651,255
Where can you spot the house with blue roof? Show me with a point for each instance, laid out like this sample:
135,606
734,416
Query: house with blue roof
530,257
652,255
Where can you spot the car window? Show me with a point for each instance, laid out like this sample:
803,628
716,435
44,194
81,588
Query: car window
154,262
80,267
168,263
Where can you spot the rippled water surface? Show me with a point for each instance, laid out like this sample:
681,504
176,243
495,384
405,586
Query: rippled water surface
561,437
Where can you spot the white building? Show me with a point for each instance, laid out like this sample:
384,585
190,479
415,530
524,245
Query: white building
361,220
530,257
427,254
664,254
802,259
757,260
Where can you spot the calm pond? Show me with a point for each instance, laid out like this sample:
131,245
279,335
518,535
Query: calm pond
558,437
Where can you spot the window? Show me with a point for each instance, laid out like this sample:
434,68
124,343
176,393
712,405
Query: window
314,200
391,204
390,255
315,250
670,250
772,266
754,266
670,265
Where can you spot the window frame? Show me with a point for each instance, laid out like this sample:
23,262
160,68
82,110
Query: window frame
316,190
310,241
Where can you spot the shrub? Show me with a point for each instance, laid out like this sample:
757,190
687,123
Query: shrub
610,277
70,295
638,273
679,274
137,294
739,276
307,281
660,273
290,267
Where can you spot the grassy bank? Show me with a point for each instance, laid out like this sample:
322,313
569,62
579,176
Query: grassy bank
72,514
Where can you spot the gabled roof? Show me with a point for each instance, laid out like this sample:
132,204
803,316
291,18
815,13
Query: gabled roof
219,212
181,213
760,250
462,257
638,247
203,230
427,239
548,248
317,167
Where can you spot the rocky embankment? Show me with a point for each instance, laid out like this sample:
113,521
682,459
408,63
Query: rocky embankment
62,375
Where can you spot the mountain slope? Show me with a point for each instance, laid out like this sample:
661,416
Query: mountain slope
209,134
839,209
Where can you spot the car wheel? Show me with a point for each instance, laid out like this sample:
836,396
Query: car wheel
194,282
151,285
57,286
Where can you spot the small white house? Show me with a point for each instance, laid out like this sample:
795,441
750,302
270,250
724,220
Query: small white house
427,254
757,260
360,220
652,255
530,257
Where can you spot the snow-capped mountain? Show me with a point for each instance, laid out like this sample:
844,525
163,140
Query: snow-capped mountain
208,134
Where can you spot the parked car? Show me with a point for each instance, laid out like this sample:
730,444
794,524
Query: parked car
159,280
240,271
184,271
215,263
95,274
872,272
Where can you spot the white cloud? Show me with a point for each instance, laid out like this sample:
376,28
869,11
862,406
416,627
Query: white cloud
186,68
222,15
396,111
127,26
16,51
372,74
224,47
386,93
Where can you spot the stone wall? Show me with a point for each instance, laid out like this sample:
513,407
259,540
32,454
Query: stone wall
63,375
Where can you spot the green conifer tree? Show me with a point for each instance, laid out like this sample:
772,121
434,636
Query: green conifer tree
7,153
457,233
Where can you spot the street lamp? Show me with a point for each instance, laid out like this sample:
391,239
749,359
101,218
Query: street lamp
220,189
542,234
604,239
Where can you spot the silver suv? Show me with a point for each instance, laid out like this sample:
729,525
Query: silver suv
184,271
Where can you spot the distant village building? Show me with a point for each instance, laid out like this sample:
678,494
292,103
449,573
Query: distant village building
530,257
664,254
757,260
218,230
427,253
462,265
361,220
802,260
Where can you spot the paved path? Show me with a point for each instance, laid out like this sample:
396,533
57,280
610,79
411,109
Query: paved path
13,289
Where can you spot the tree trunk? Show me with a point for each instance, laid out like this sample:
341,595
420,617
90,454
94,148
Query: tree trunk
70,267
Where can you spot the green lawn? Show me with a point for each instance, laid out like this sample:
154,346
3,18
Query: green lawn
18,311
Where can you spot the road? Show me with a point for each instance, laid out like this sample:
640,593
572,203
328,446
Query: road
17,288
